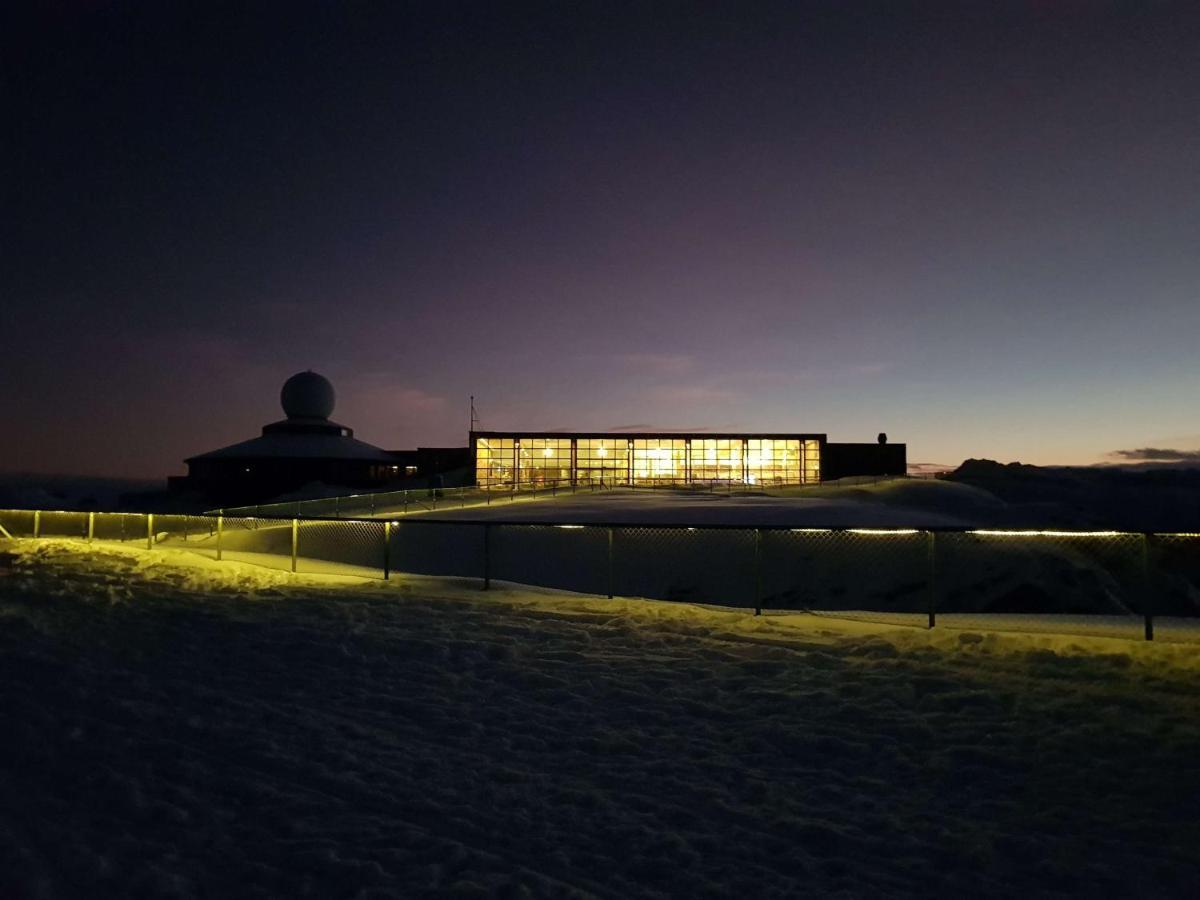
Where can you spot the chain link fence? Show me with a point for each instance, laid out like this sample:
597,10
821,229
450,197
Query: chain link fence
1113,584
388,504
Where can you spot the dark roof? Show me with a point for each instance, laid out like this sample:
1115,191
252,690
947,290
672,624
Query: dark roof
281,445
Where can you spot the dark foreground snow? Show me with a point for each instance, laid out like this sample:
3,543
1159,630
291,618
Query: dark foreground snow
173,727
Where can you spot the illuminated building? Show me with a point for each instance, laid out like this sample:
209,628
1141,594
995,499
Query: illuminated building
307,452
504,458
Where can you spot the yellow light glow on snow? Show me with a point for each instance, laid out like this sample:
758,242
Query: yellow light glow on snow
990,533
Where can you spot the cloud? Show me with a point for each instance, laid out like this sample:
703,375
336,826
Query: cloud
866,370
1155,454
186,348
658,363
692,394
417,400
380,396
807,375
644,426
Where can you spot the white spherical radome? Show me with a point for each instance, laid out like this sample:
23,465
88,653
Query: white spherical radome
307,395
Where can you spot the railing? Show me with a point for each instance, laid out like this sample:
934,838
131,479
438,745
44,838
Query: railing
1106,583
385,504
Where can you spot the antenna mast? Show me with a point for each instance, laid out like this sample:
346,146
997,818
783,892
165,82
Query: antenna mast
474,417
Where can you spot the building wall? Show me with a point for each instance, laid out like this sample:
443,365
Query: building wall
250,480
847,460
504,458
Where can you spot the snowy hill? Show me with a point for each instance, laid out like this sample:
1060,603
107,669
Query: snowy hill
1140,499
178,727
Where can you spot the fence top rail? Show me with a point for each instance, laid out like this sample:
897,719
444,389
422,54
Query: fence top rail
398,494
685,484
881,531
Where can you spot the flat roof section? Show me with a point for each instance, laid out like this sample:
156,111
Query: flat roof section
644,435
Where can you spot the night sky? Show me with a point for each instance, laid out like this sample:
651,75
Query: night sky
972,225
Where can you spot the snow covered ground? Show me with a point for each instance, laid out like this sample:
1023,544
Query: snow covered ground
178,727
903,504
979,496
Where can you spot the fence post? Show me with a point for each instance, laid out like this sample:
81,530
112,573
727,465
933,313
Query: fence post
91,526
387,550
758,571
931,549
295,541
1147,612
337,507
150,531
610,563
37,523
487,556
220,532
372,504
185,528
122,528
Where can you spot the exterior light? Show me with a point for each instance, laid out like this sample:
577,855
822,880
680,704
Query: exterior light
990,533
884,531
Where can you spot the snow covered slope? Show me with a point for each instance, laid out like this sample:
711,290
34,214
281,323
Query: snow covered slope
981,495
177,727
892,504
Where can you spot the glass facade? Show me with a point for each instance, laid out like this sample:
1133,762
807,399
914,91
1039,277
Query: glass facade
602,460
495,461
543,460
812,461
504,460
718,459
659,460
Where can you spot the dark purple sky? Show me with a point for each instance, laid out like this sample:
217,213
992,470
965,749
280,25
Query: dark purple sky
972,225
